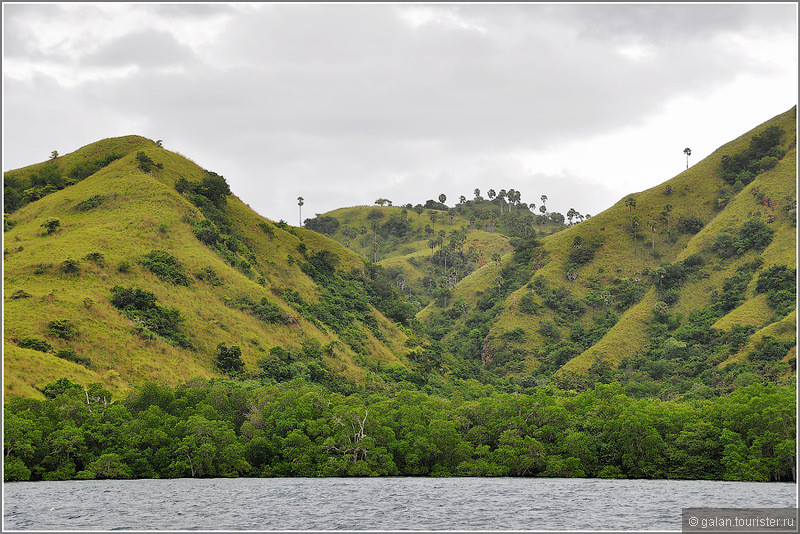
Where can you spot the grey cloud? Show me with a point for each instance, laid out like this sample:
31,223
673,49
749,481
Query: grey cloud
148,48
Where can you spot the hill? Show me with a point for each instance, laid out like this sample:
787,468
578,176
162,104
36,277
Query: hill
85,231
672,281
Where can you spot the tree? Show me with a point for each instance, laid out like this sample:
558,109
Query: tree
688,152
543,198
229,360
653,224
442,198
491,194
159,143
54,154
667,211
300,204
477,194
462,199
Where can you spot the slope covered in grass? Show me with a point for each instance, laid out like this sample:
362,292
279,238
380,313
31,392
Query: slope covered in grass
234,290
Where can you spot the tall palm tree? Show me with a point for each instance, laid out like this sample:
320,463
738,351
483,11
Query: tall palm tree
688,152
300,209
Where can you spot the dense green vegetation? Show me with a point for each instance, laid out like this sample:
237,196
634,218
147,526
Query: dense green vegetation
223,429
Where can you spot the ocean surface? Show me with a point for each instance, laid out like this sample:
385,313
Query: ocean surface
371,504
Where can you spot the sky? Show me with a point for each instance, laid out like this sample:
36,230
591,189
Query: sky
346,103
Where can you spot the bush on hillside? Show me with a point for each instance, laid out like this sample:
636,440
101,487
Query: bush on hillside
166,266
323,224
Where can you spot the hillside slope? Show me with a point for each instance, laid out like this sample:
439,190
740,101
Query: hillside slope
582,300
233,276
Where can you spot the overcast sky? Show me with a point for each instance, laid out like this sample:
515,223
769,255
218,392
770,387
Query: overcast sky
346,103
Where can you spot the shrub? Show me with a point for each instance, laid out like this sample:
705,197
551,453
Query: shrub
59,387
145,163
89,203
755,235
141,306
517,335
229,360
35,344
70,266
19,294
166,267
97,258
209,276
124,267
62,329
72,356
323,224
528,304
770,350
689,224
724,245
51,226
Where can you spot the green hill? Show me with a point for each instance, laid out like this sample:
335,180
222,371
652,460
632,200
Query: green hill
232,276
586,306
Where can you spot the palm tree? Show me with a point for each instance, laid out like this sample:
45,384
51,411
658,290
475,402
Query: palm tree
543,198
491,194
442,198
688,152
653,224
667,210
477,193
462,199
300,203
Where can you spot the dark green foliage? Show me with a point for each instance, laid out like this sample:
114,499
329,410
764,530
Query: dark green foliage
141,306
20,294
323,224
72,356
85,169
51,226
396,226
221,428
779,282
209,276
528,304
689,224
264,310
89,203
124,267
212,187
97,258
229,360
62,329
70,266
583,251
770,349
145,163
166,266
762,154
753,235
517,335
35,344
60,387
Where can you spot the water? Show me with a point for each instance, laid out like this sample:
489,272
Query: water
390,504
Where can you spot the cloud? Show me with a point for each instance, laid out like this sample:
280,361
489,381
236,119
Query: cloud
147,48
347,103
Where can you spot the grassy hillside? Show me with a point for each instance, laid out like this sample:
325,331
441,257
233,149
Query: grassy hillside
587,305
107,223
